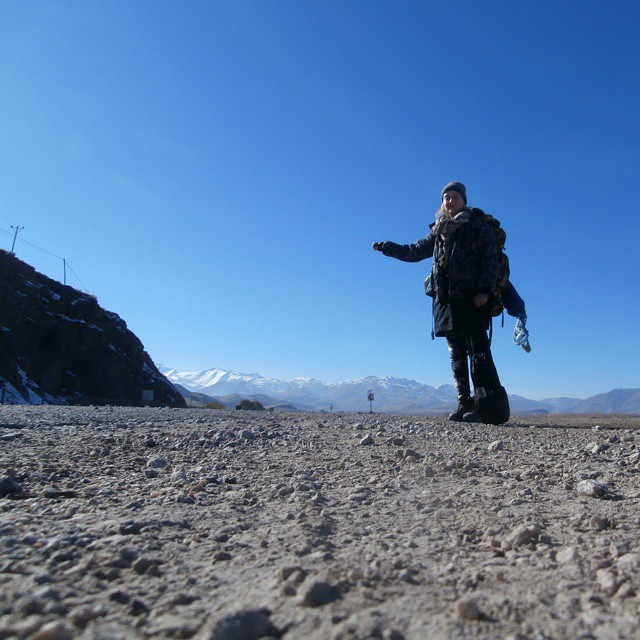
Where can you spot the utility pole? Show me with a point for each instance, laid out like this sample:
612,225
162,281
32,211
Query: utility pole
15,235
64,267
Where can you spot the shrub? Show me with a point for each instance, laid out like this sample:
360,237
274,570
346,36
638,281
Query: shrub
250,405
214,405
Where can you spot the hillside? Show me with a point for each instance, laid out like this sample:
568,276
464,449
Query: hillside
58,346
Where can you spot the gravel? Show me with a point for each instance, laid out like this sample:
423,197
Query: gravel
192,523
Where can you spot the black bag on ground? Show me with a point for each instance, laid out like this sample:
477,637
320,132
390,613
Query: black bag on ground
492,405
492,402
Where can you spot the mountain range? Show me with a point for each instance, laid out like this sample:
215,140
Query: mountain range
397,395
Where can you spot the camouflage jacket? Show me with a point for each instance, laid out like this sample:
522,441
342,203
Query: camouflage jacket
473,265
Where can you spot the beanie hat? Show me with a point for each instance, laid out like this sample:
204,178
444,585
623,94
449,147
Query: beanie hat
456,186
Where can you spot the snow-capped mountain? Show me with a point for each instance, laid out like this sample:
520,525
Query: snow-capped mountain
391,394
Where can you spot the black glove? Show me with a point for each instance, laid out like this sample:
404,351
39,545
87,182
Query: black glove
377,246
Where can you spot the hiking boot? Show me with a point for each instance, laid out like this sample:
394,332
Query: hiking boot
464,406
472,416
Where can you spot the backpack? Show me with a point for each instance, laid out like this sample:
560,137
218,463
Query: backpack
495,300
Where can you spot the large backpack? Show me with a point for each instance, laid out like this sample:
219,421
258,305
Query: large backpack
495,300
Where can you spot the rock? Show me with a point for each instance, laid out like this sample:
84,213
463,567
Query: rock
608,581
138,607
412,456
56,630
468,609
145,564
319,594
595,447
130,528
179,475
617,549
629,562
568,555
244,625
598,523
8,487
29,605
522,535
157,463
172,626
367,440
295,574
84,613
496,445
591,489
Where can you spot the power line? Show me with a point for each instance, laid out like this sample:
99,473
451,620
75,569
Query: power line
76,275
15,235
35,246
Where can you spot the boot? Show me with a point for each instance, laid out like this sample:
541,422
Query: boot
465,405
471,416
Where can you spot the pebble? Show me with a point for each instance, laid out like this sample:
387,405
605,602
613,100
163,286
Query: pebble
85,613
496,445
320,593
522,535
608,581
367,440
629,562
56,630
146,565
244,625
468,609
598,523
157,463
179,475
8,487
591,489
568,555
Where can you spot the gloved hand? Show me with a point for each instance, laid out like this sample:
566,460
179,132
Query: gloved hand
377,246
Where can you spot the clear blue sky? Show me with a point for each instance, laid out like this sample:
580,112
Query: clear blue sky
215,173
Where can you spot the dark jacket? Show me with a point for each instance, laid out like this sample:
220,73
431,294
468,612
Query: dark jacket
472,268
473,263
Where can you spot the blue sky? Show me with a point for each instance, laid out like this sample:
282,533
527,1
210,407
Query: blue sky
215,173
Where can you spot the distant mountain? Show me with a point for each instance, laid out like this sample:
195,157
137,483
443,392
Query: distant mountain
390,394
398,395
616,401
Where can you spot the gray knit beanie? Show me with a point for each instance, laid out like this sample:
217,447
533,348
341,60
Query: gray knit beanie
456,186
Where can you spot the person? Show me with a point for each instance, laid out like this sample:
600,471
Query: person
464,274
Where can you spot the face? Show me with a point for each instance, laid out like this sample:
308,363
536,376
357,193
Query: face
452,203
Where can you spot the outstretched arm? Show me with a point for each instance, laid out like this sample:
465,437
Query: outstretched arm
407,252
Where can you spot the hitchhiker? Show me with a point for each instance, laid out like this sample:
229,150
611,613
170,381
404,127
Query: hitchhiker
463,276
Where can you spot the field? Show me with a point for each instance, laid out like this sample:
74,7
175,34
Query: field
180,523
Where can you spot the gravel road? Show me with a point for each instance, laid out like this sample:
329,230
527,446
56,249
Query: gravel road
186,523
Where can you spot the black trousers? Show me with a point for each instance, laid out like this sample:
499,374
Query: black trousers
468,343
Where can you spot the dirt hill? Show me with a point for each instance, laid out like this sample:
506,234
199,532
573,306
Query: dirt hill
59,346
